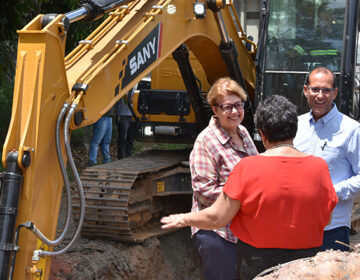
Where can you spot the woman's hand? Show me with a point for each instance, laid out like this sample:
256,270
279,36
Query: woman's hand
216,216
173,221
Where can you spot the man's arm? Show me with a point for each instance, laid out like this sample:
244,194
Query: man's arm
350,187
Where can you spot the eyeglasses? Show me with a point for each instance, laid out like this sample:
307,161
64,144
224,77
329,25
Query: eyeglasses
323,90
227,108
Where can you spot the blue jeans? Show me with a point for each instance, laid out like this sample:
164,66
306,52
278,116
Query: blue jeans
330,236
102,130
217,254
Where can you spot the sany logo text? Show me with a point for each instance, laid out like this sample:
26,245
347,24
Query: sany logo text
142,56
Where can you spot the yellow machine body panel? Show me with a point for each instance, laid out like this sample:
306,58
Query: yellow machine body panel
167,75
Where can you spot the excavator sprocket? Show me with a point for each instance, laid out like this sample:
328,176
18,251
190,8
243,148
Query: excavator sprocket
126,198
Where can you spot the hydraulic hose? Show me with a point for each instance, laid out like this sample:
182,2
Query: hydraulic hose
63,172
16,240
34,229
39,253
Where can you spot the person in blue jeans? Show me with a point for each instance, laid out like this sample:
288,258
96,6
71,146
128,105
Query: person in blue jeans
102,131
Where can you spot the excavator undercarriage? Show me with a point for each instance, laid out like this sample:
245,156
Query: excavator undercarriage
125,198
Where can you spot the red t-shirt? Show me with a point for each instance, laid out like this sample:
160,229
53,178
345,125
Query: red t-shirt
285,201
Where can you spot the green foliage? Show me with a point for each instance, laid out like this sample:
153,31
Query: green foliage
14,15
5,109
5,113
7,68
7,62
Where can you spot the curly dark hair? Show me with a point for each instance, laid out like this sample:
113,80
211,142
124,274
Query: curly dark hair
276,117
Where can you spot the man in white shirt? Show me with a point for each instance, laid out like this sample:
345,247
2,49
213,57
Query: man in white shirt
327,133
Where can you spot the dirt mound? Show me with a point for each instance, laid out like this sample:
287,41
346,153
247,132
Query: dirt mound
324,266
169,257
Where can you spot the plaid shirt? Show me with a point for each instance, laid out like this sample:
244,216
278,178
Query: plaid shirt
212,159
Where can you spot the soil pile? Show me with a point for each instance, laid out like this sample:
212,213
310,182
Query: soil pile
324,266
169,257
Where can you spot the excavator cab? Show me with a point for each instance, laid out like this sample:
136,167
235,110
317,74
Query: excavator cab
308,34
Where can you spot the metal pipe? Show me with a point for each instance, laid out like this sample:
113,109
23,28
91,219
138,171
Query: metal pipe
291,72
221,25
77,14
94,9
167,130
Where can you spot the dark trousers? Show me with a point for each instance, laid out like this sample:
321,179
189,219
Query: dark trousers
252,261
330,236
218,255
125,141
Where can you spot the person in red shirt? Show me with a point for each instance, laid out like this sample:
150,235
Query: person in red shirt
278,202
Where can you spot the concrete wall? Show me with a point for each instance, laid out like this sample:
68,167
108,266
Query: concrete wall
252,18
249,15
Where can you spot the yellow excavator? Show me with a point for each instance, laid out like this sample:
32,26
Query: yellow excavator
55,94
185,45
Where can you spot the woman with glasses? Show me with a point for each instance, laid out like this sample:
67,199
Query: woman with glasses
217,149
278,202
